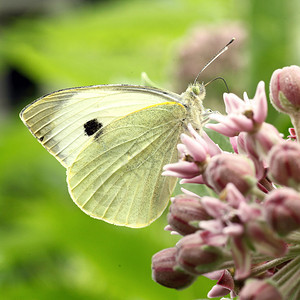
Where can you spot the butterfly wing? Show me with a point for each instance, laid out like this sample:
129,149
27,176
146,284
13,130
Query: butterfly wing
65,120
117,175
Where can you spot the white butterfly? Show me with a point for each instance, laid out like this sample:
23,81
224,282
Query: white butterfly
114,141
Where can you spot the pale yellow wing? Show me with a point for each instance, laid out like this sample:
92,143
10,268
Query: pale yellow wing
65,120
117,175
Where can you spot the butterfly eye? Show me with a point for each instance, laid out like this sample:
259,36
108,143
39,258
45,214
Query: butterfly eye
196,90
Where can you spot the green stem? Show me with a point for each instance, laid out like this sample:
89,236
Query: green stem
293,238
284,274
292,278
271,264
258,193
296,295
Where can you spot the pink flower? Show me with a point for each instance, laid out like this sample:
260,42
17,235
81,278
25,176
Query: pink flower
203,144
246,223
182,169
242,257
224,286
195,153
264,239
233,196
259,143
245,115
214,207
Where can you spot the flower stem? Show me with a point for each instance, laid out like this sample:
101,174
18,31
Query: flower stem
258,193
289,282
296,293
271,264
285,273
293,252
293,238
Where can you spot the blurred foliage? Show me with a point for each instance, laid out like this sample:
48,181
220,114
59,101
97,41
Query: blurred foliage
106,43
49,248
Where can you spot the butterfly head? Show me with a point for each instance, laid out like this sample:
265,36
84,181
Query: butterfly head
195,92
198,90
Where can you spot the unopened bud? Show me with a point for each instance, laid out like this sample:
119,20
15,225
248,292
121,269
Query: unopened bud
265,240
196,257
284,164
282,209
164,270
285,89
225,168
261,142
183,211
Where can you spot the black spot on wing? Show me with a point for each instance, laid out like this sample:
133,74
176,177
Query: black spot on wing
92,126
41,138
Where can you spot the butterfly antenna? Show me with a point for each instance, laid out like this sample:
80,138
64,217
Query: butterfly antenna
215,57
216,79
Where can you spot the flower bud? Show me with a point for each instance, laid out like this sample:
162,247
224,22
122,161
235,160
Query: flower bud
225,168
164,270
259,290
259,143
184,210
196,257
285,89
282,209
284,164
265,240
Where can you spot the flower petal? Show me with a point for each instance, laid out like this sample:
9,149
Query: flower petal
260,108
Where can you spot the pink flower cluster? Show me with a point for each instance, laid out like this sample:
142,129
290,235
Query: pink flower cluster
246,234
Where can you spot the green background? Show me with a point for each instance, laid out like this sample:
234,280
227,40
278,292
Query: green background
49,249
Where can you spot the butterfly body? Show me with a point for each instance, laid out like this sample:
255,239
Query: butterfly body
114,141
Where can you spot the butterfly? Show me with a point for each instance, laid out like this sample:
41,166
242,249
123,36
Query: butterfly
114,141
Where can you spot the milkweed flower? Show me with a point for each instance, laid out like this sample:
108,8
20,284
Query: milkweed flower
245,232
285,93
224,285
242,115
